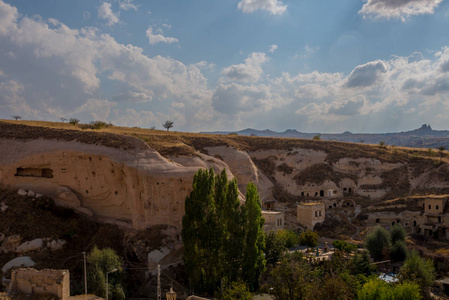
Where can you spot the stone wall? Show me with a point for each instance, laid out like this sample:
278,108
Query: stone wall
44,282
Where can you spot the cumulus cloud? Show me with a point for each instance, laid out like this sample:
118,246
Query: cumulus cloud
250,71
367,74
56,71
274,7
273,48
234,98
398,8
155,38
105,13
127,5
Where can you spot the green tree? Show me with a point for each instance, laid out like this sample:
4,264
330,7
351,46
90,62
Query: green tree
223,241
361,264
274,247
317,137
419,270
375,289
100,262
253,256
397,233
378,243
407,291
196,231
398,251
289,238
237,291
308,238
168,124
16,117
344,246
74,121
293,278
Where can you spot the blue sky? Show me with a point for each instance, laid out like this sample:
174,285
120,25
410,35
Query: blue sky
315,66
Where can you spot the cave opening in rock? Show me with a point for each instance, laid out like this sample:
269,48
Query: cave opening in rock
34,172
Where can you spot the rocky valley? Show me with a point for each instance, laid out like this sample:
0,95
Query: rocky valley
125,188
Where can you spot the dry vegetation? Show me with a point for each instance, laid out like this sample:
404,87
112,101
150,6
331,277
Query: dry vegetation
186,144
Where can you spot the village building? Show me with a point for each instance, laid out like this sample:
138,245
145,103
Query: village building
435,223
309,214
274,220
44,282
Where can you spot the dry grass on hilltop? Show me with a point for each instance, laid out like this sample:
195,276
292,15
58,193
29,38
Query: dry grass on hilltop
172,143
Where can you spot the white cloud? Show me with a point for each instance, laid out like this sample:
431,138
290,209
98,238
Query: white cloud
398,8
155,38
366,75
105,13
86,15
48,71
250,71
67,69
274,7
273,48
127,5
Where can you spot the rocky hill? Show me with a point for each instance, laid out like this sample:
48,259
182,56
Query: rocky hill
138,178
423,137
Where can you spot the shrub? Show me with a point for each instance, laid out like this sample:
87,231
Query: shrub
74,121
98,125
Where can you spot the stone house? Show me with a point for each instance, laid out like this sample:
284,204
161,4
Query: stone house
274,220
311,213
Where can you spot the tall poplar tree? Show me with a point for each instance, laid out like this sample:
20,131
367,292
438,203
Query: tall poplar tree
199,205
253,256
223,240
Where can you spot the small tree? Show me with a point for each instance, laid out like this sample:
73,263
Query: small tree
398,251
361,264
344,246
168,124
378,242
308,238
382,144
16,117
74,121
317,137
62,119
237,291
101,262
418,270
397,233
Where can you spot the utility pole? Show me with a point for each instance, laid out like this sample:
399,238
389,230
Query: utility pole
159,282
85,274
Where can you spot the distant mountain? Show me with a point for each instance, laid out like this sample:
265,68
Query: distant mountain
423,137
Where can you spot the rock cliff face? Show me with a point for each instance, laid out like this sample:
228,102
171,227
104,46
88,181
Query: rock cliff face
136,187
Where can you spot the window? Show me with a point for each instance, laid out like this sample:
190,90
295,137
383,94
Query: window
436,207
430,206
316,214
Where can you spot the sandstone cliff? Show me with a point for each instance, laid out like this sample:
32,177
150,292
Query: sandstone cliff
140,178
